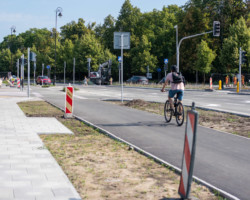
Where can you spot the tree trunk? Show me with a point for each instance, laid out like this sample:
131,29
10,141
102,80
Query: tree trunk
204,78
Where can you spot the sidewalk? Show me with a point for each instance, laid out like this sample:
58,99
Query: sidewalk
27,169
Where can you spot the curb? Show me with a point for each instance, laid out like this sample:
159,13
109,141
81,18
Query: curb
221,193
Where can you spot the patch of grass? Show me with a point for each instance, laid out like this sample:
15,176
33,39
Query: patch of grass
75,89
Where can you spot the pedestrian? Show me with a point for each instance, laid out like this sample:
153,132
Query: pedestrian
110,80
85,81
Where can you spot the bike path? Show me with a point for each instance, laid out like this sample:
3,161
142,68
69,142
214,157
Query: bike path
222,159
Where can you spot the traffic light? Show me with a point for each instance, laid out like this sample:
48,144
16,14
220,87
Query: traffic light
216,28
243,57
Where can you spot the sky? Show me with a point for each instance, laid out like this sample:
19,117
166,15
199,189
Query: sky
26,14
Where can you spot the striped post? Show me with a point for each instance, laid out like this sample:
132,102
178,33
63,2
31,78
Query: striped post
188,153
69,102
211,83
18,83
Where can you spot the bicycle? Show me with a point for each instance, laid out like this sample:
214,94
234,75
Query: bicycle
178,111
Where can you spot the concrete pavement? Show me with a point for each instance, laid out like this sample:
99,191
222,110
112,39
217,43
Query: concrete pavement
27,169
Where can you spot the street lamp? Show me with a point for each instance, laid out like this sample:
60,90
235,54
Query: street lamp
12,29
177,49
58,13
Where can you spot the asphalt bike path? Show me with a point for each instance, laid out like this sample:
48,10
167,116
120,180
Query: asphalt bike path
222,159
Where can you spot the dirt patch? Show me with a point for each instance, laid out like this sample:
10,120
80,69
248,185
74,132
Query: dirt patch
102,168
217,120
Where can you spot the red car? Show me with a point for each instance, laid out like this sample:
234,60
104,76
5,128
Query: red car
43,80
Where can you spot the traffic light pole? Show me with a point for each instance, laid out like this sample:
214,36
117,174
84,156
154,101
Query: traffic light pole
240,70
178,49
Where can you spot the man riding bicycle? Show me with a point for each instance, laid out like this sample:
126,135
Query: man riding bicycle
177,86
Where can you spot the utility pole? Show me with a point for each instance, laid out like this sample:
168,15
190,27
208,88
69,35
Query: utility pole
74,62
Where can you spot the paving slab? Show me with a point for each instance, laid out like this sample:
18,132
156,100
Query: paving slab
27,169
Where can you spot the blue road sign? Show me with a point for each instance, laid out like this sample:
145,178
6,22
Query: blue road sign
48,66
165,61
158,69
119,58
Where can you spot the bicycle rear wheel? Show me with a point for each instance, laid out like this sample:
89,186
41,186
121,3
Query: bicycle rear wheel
167,111
180,114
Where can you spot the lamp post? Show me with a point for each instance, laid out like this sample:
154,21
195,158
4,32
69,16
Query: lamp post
177,49
12,29
58,13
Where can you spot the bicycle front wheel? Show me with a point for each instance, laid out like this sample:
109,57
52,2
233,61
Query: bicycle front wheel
180,114
167,111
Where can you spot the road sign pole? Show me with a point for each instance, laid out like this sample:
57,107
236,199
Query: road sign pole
28,72
64,72
122,66
17,68
74,62
240,69
42,68
34,72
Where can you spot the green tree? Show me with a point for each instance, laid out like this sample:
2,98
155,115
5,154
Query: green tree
239,37
142,57
205,57
5,57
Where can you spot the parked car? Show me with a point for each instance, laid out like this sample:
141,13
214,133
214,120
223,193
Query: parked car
43,80
138,80
94,75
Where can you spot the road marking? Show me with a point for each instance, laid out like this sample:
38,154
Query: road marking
213,105
79,97
247,101
37,94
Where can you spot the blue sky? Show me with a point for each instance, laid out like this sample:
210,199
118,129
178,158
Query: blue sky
26,14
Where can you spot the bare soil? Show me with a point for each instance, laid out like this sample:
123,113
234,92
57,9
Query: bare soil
216,120
102,168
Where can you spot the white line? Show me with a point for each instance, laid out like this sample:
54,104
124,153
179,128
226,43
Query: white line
79,97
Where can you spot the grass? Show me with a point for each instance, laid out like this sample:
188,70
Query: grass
102,168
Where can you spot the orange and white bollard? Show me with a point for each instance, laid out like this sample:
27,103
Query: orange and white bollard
188,153
211,83
69,102
18,83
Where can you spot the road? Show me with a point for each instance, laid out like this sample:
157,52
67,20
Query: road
222,159
224,100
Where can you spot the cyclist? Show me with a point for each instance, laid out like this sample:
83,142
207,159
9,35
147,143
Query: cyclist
176,87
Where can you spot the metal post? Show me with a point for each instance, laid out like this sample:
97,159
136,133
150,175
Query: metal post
64,72
177,49
22,71
119,66
240,69
122,66
17,68
28,72
34,73
42,68
74,62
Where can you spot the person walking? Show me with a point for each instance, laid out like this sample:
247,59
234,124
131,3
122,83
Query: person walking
85,81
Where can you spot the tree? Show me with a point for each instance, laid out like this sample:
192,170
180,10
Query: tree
239,37
142,57
205,57
5,57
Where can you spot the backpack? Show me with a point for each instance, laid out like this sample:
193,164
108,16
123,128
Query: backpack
178,78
